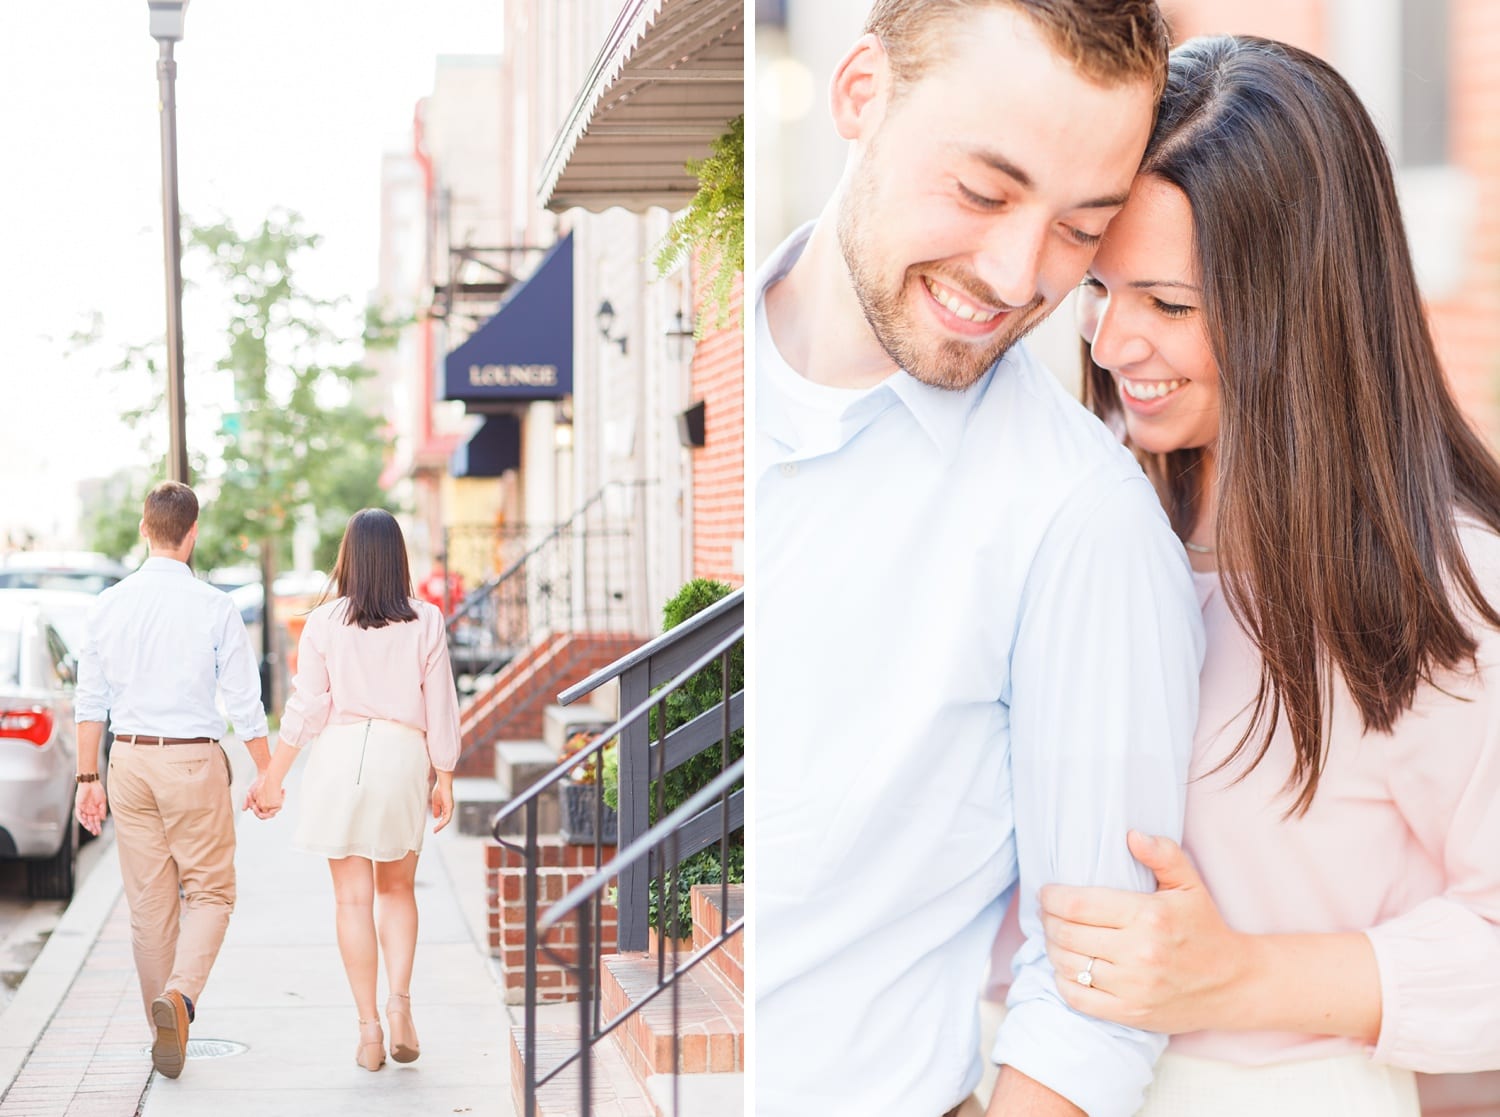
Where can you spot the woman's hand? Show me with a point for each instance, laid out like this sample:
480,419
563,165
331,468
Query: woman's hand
265,798
1163,961
442,800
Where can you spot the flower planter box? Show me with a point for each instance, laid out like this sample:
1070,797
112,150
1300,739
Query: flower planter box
576,801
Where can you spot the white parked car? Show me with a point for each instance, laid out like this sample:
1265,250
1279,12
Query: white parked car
37,747
79,571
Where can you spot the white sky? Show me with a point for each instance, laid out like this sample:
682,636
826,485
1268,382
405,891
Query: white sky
279,103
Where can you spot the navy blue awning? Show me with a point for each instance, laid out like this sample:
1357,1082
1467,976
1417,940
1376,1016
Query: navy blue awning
495,447
525,350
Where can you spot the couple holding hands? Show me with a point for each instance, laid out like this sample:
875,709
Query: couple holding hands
373,689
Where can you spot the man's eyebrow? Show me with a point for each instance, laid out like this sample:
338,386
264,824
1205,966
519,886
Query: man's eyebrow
999,162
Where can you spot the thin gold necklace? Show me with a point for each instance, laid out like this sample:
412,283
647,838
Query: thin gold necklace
1198,548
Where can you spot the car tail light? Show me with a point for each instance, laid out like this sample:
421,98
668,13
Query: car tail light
29,723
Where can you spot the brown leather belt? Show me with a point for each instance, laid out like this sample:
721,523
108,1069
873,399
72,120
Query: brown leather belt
145,739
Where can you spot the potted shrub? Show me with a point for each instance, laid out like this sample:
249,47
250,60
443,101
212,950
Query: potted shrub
576,795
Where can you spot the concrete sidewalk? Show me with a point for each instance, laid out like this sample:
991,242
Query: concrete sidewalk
277,999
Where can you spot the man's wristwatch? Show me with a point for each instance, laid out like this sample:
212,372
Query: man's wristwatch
87,777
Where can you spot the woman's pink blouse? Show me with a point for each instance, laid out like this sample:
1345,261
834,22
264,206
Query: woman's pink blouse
1402,842
396,673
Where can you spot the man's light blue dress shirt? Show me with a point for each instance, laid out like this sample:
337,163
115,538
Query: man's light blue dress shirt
976,661
160,644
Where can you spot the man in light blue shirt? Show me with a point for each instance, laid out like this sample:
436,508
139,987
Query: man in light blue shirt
977,642
160,645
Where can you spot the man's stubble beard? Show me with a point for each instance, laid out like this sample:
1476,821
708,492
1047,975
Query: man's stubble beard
950,365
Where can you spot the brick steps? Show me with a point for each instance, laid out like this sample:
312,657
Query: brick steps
514,705
728,961
615,1090
710,1019
698,1095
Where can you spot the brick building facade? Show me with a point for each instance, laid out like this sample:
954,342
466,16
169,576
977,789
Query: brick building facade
718,379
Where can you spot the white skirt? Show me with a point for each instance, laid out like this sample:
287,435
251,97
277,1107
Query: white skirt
1339,1086
365,791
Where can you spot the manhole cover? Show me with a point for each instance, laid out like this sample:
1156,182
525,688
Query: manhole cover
209,1048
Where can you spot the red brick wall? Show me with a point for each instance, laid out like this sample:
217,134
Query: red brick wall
718,378
1467,326
1292,21
564,867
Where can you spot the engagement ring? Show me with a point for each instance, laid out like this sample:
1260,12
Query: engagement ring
1086,975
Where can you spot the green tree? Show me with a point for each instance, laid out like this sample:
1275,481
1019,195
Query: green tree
305,440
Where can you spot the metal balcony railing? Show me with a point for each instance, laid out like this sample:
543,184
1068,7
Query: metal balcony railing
582,575
649,855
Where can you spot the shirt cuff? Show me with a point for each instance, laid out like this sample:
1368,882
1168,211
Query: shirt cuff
248,730
1102,1068
1439,970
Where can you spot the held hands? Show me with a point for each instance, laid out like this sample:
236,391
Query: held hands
90,806
1164,961
264,798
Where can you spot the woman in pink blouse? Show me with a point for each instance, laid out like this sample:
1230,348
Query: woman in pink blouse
1258,335
374,699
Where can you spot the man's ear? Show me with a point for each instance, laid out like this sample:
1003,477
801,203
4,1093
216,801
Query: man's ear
861,88
144,536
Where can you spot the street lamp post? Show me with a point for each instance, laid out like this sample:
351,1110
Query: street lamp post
167,19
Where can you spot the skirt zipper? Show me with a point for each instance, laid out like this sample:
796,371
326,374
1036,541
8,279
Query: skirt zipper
363,746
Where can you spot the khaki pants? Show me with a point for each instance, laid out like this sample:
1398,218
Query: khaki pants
174,827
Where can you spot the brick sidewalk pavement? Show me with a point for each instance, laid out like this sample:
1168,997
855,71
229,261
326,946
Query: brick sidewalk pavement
92,1059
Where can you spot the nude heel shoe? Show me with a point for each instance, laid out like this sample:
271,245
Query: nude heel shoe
370,1053
404,1045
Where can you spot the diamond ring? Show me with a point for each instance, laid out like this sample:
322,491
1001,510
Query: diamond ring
1086,975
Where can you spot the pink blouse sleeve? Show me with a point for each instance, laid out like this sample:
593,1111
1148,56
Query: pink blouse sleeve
1440,962
440,697
310,704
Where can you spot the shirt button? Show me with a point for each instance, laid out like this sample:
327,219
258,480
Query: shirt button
789,469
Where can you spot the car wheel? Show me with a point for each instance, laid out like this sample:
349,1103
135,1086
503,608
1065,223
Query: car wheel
52,877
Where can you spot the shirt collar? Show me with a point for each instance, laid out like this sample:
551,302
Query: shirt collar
941,413
170,566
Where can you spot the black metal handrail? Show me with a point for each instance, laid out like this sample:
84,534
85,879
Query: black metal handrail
648,677
576,903
604,738
714,615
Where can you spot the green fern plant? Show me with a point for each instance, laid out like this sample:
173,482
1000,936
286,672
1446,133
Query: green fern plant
713,225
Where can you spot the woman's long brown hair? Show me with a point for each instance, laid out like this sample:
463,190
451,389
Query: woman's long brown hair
1342,458
372,572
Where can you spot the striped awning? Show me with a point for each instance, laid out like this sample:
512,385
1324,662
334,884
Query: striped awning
669,79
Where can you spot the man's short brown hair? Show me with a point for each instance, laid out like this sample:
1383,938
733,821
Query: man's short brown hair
1109,42
171,512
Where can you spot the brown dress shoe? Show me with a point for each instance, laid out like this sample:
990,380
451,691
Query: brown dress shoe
169,1051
